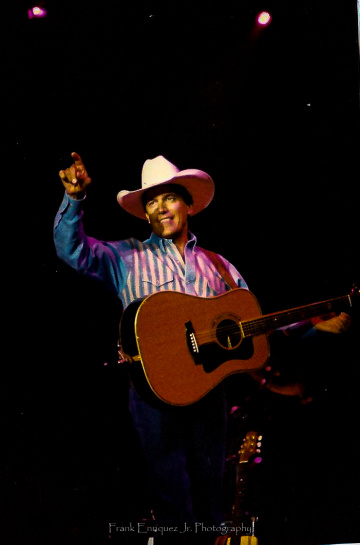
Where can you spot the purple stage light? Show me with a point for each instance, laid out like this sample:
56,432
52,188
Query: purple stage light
37,12
263,18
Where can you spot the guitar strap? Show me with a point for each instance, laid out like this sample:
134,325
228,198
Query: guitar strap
219,264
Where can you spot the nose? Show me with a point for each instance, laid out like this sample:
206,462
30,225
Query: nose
162,206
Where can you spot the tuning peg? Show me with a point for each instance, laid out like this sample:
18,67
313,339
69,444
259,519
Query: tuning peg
355,288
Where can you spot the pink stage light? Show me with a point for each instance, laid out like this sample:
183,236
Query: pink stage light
37,12
263,18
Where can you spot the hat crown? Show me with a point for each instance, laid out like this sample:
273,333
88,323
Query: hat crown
156,171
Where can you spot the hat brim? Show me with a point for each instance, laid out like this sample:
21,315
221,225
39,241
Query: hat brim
199,184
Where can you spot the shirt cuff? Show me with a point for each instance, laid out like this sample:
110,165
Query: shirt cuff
73,202
71,207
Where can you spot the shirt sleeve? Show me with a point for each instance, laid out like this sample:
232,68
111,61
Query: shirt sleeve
94,258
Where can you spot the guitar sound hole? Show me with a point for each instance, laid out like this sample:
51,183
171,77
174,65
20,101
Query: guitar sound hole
228,334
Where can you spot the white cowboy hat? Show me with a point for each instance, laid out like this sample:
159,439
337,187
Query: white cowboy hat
160,171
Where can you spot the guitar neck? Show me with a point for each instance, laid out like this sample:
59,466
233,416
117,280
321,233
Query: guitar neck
238,509
269,322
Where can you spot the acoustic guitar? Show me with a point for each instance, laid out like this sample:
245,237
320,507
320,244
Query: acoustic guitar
242,528
187,345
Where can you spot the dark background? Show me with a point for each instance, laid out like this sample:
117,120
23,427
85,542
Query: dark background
273,115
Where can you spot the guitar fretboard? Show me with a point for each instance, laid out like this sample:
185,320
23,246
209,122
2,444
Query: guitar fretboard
270,322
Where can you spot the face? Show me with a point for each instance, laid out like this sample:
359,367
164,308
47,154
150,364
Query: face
167,213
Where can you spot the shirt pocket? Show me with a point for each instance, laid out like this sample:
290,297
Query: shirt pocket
153,285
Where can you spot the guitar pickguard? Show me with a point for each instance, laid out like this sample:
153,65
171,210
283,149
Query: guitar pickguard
213,355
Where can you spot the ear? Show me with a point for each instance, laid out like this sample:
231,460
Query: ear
190,210
147,217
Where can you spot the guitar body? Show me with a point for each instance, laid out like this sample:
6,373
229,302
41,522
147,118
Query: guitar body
187,345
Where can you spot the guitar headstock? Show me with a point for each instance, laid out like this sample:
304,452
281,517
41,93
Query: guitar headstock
251,448
355,290
354,294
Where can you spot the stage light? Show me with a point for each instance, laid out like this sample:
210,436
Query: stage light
37,12
263,18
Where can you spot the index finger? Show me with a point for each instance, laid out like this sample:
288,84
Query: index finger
77,159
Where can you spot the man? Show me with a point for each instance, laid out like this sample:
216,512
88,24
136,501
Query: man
184,446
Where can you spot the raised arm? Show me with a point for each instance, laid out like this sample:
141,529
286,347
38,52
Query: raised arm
98,259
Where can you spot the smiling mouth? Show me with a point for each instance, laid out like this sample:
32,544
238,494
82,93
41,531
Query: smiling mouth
165,219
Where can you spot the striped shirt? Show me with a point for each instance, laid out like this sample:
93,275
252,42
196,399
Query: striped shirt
133,269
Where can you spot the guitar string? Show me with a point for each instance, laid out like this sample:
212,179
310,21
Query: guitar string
248,327
261,325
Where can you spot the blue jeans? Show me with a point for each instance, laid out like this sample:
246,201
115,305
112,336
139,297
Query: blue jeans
184,448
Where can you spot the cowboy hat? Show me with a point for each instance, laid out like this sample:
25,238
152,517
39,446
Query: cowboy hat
159,171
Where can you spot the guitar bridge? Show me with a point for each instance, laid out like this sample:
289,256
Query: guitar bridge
191,341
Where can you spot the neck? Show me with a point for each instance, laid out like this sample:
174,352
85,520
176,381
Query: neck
180,241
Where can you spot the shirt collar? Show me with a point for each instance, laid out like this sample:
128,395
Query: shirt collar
164,242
